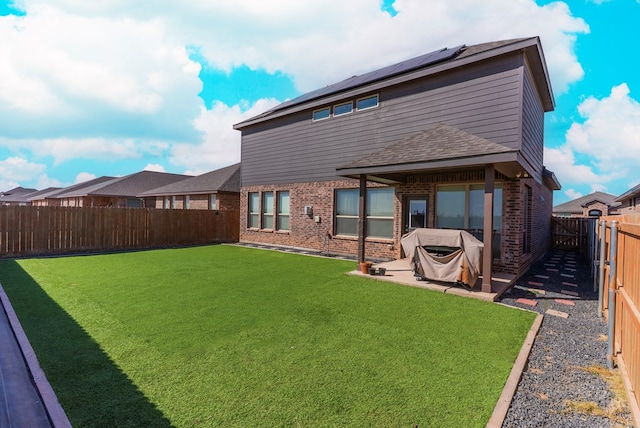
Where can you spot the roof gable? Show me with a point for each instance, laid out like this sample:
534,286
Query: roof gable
577,205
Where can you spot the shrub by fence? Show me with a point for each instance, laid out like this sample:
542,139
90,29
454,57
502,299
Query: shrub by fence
619,279
30,231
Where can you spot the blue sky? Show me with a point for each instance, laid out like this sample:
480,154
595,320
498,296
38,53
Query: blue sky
114,87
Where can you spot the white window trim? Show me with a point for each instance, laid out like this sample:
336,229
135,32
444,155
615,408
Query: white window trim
350,103
377,96
322,118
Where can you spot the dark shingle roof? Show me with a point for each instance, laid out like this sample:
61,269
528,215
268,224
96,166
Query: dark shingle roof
82,189
17,194
225,179
134,184
43,194
437,142
634,191
577,205
445,55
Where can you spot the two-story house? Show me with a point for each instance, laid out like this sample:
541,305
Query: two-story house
450,139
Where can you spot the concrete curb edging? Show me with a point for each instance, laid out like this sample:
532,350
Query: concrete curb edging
57,416
502,406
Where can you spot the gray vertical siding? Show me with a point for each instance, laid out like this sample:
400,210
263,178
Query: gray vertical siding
484,99
532,125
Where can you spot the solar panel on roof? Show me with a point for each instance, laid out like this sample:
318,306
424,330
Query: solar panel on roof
373,76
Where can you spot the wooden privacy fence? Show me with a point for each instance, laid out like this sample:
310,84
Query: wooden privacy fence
572,234
619,296
31,231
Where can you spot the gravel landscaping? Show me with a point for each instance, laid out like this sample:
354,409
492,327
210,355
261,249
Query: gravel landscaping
563,384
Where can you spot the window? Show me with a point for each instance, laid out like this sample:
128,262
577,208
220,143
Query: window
173,202
213,202
341,109
187,202
165,202
254,210
267,210
283,211
461,206
321,114
379,212
595,213
347,201
367,102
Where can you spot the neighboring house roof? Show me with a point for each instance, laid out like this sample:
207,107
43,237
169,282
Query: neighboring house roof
578,205
633,192
134,184
430,63
43,194
81,189
16,195
225,179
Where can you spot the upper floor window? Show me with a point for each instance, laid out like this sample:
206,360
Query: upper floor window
321,114
367,102
341,109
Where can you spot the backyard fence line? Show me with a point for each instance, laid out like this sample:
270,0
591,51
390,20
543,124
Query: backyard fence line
35,231
619,297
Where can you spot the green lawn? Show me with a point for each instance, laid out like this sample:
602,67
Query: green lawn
230,336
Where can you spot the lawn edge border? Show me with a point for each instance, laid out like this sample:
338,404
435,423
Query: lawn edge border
57,416
509,390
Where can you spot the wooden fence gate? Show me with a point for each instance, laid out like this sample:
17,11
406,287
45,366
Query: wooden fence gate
572,234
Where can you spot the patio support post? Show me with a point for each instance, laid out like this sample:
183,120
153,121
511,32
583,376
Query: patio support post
487,234
362,216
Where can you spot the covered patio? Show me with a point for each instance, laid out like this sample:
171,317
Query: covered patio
399,272
450,152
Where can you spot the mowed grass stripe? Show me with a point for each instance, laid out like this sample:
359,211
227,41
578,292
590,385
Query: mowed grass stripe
231,336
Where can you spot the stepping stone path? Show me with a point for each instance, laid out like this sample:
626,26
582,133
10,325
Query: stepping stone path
560,288
552,288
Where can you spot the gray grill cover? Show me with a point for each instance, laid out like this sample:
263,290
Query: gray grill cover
447,268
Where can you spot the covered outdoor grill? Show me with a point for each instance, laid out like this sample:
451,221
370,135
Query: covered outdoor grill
444,255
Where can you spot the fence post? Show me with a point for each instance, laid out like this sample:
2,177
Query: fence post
612,292
603,233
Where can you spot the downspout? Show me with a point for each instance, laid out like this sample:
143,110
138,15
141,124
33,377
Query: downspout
487,233
612,293
362,217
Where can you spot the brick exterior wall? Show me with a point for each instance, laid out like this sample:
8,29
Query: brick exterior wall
305,232
226,201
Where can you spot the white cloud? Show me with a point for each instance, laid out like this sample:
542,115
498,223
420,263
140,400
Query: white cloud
19,168
604,147
154,167
573,194
221,145
84,176
113,80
